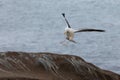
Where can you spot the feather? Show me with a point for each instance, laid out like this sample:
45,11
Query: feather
89,30
66,20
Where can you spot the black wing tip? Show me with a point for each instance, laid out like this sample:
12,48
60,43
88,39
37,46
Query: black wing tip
98,30
63,14
101,30
90,30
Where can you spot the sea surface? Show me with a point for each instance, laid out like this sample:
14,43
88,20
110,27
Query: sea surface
37,26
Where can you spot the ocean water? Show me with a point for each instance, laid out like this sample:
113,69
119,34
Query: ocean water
37,26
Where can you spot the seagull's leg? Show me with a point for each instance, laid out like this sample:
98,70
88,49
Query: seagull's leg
73,41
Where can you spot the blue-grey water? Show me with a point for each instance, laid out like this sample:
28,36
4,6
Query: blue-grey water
37,26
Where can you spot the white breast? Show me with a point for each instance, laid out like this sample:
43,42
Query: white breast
69,33
69,29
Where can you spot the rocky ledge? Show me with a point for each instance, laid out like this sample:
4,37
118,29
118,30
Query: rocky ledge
49,66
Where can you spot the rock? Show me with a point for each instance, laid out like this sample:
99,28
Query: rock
49,66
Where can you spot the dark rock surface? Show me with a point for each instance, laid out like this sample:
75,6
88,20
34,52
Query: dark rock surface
49,66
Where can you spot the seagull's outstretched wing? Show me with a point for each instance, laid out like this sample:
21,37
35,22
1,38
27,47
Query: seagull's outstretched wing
89,30
66,20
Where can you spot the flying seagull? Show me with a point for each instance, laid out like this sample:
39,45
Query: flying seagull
69,32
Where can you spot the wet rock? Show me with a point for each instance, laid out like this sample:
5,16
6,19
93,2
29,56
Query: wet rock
49,66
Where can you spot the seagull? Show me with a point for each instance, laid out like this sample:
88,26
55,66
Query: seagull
69,32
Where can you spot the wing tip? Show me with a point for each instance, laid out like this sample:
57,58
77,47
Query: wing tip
63,14
102,30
